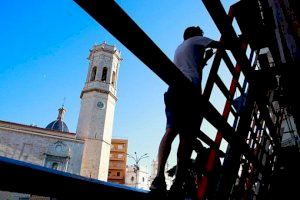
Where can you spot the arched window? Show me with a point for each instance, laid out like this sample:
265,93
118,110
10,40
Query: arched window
132,178
104,74
113,78
93,75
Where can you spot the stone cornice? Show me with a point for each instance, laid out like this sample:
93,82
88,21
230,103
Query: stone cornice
106,48
97,140
98,90
113,52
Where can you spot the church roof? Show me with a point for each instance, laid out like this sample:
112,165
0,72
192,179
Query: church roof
59,124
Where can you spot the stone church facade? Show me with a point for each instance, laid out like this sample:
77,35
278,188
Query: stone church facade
85,152
49,148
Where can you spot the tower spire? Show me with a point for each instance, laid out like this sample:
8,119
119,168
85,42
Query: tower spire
62,111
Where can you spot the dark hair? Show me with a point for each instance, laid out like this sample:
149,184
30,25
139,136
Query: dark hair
192,31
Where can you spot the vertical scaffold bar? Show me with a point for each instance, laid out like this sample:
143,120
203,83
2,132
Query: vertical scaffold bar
212,156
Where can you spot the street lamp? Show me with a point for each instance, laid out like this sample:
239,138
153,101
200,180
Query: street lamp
136,168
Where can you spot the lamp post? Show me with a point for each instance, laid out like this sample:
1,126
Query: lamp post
136,168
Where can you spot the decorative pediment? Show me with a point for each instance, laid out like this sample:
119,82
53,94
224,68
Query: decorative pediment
59,149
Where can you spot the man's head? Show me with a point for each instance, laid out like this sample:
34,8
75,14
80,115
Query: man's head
192,31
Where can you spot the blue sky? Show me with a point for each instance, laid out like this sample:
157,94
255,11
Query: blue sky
44,50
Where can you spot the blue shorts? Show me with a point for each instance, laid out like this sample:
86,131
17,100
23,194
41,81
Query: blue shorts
170,118
182,113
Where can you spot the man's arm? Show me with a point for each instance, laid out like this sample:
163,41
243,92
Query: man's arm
216,44
209,52
207,55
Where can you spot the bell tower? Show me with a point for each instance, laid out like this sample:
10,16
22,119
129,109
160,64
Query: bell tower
98,100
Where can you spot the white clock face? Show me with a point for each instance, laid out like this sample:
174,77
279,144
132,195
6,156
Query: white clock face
100,104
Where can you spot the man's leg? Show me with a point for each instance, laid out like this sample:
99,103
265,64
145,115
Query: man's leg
177,190
163,154
184,153
188,129
164,150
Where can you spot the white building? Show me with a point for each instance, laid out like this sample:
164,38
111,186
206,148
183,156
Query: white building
169,180
137,178
85,152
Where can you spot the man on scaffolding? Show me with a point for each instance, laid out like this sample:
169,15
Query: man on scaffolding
182,109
